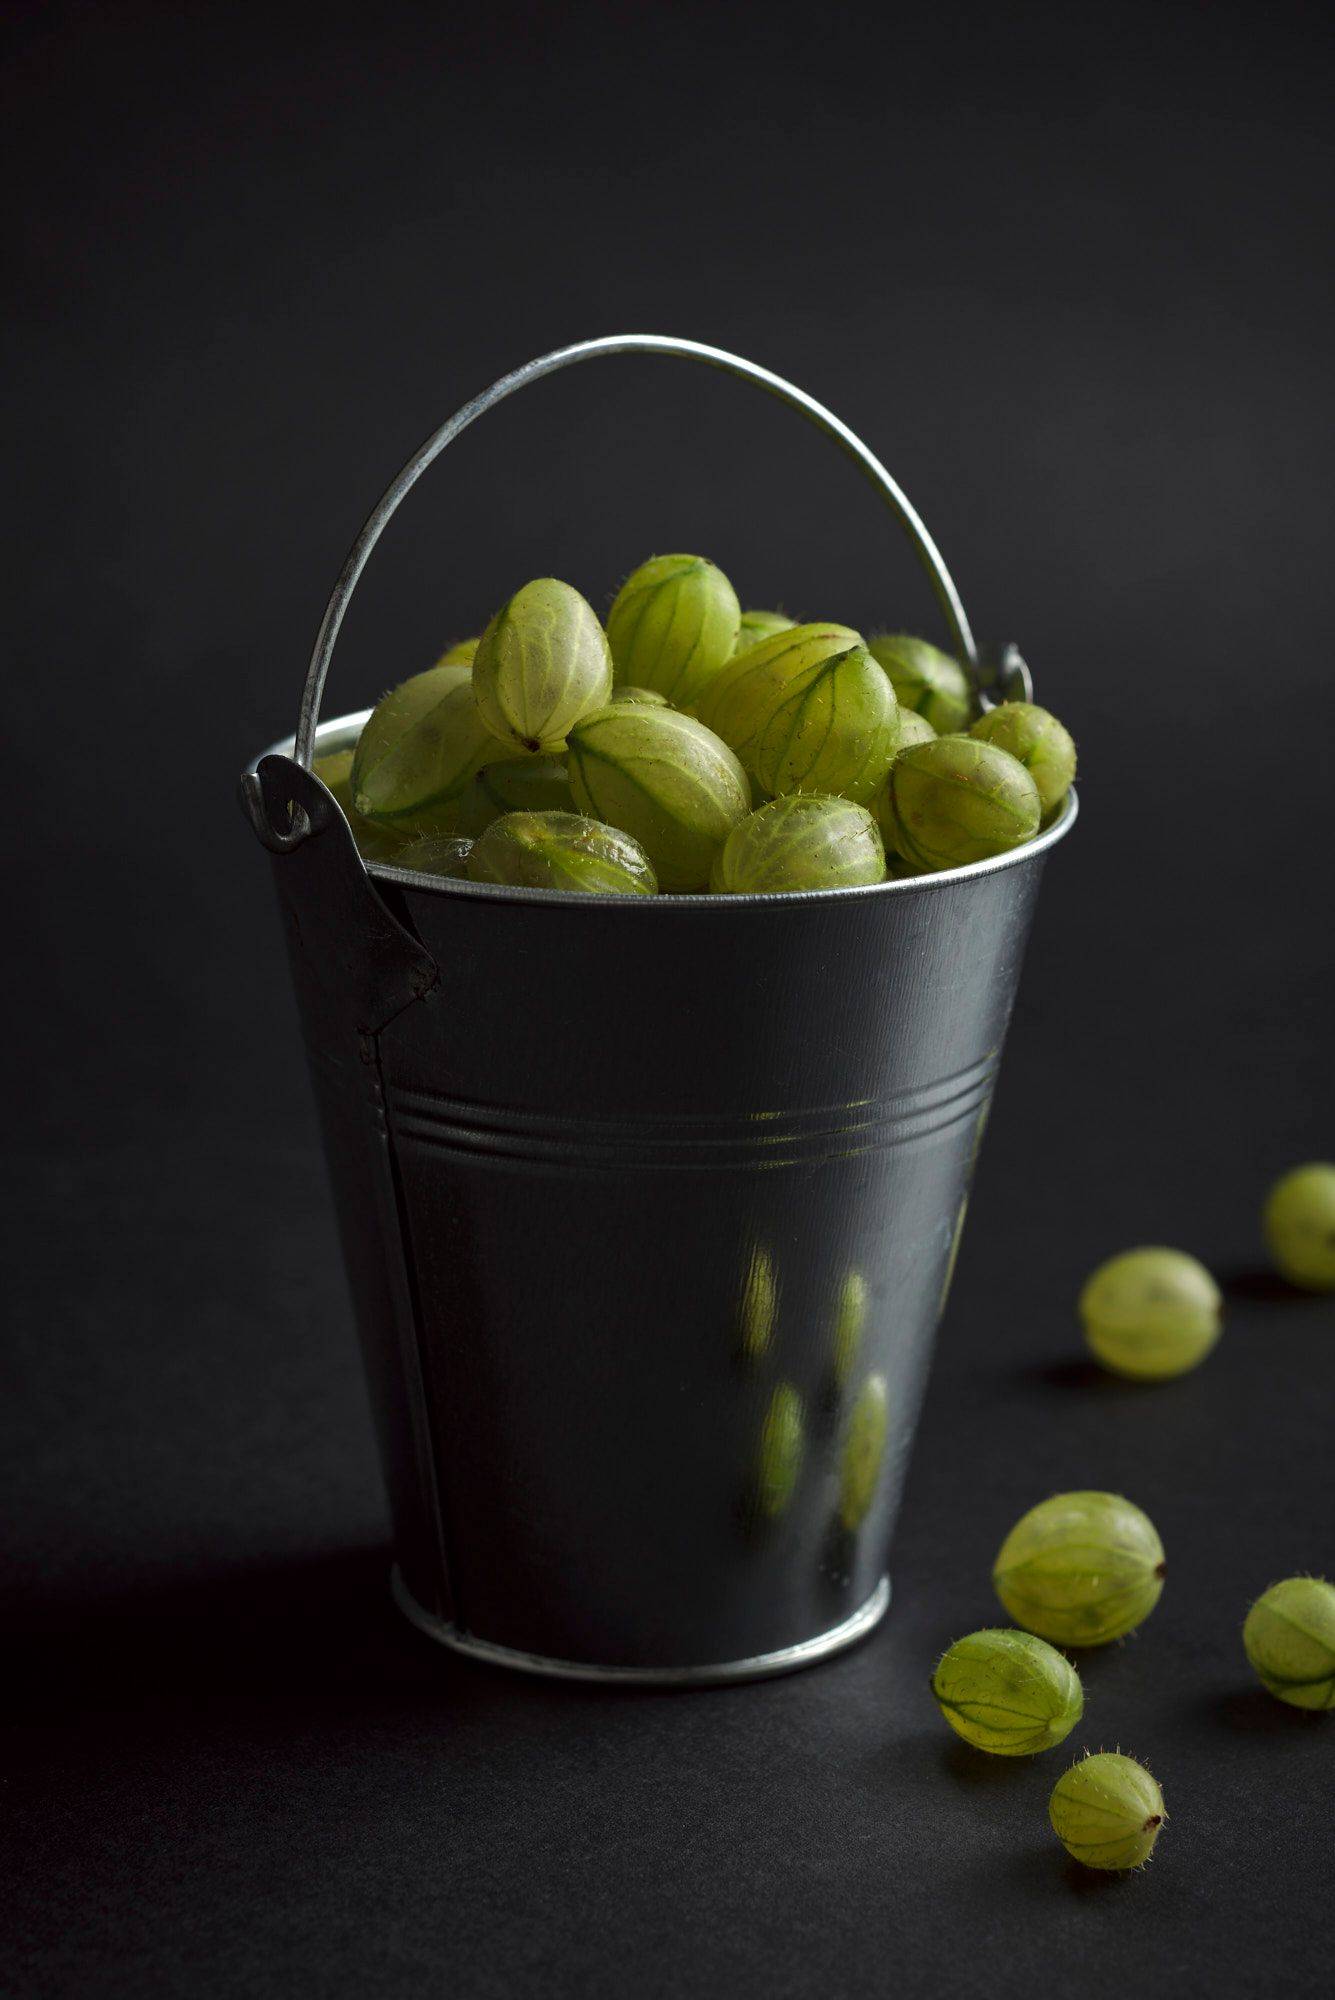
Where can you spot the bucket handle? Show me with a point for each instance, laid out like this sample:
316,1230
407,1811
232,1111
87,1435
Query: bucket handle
565,357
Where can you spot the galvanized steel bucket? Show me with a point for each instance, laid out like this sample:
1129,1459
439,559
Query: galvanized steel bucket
649,1205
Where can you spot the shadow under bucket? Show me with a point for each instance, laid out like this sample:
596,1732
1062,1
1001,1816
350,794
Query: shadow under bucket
649,1207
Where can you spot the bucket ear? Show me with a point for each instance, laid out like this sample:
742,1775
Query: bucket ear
284,803
1003,675
356,964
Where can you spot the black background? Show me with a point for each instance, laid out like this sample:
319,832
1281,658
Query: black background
1066,270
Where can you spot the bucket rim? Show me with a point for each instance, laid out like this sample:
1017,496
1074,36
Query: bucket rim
340,732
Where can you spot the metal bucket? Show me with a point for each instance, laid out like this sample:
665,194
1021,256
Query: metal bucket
649,1205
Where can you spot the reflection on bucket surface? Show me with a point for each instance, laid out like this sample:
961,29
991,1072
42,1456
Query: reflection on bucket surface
760,1303
850,1318
864,1449
779,1454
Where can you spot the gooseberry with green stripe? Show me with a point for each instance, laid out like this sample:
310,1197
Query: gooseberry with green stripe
1107,1811
1008,1693
1081,1569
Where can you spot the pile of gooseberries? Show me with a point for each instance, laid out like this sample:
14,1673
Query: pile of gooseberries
688,746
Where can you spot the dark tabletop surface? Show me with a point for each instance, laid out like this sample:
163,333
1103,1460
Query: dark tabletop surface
1077,294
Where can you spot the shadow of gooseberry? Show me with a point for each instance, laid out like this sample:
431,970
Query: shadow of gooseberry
1048,1870
1084,1376
1256,1284
981,1769
1251,1711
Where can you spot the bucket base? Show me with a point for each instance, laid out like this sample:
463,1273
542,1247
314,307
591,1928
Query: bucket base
786,1660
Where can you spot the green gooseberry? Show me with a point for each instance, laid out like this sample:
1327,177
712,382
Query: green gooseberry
1289,1639
1080,1569
887,823
752,681
956,801
925,679
863,1453
672,626
913,729
1041,743
1299,1222
636,696
542,663
1008,1692
799,842
758,625
432,854
382,843
833,733
418,749
461,654
1107,1811
521,784
335,773
374,842
560,850
1151,1314
664,778
780,1453
807,711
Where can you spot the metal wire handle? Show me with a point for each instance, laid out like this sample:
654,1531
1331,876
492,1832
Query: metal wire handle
565,357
